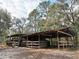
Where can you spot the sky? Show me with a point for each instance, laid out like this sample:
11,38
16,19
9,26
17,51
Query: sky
19,8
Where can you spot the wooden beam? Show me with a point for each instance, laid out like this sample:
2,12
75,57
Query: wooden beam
47,35
65,33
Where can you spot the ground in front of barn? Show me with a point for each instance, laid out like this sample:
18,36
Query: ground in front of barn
29,53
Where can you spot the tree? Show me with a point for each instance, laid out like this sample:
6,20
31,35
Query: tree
53,16
5,23
18,25
33,20
50,16
43,15
71,15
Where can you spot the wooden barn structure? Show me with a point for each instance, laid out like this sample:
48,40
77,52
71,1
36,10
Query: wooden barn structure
53,38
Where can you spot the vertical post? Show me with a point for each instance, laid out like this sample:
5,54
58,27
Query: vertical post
39,41
50,42
19,43
58,40
66,42
63,42
9,38
31,44
76,41
27,42
71,42
73,38
13,44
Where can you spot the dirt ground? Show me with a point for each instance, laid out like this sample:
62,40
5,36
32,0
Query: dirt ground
28,53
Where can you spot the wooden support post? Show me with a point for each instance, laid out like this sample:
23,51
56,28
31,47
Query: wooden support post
66,42
10,38
19,43
76,42
71,44
50,42
58,40
27,42
71,41
31,44
73,38
39,41
13,44
63,43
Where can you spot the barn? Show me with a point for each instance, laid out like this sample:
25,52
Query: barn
62,38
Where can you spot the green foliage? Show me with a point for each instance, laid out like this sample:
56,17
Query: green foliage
32,20
5,24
